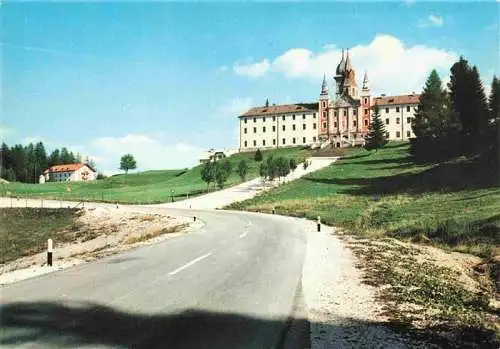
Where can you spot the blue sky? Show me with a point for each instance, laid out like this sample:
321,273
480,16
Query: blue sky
167,80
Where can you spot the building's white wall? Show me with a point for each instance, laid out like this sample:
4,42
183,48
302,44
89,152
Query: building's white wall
391,114
260,139
77,175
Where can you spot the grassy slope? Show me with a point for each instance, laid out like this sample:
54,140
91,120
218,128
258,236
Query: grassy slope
144,187
24,231
384,192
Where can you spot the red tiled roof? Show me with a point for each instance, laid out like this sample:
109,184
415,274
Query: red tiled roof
64,168
282,109
393,100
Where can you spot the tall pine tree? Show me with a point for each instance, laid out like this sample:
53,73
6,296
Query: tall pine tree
494,100
434,118
468,98
376,137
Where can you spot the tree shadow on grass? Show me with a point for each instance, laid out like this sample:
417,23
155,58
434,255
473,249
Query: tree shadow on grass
449,177
53,324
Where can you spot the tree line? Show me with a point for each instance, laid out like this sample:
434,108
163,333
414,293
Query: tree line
26,163
459,120
218,172
451,121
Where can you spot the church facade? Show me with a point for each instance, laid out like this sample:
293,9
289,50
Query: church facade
338,119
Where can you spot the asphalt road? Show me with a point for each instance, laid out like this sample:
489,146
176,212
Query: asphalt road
232,284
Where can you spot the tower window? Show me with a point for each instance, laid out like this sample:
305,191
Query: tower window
245,144
324,114
324,125
274,128
408,120
366,100
255,130
314,115
345,112
314,126
366,122
264,129
245,121
387,110
387,121
245,130
324,104
408,108
335,124
303,139
366,111
283,117
303,126
397,121
283,127
354,112
293,140
264,119
354,122
397,109
254,119
293,127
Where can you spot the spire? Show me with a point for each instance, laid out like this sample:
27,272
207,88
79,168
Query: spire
324,86
366,85
348,65
341,67
267,102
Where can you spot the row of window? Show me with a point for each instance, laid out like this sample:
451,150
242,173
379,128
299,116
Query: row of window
354,123
283,142
274,128
398,134
408,108
282,117
408,121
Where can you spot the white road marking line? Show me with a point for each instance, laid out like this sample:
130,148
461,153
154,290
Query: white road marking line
187,265
243,234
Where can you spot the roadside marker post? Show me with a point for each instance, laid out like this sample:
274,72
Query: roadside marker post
194,218
41,204
319,223
49,252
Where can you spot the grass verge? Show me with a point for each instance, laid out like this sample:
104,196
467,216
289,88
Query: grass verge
153,234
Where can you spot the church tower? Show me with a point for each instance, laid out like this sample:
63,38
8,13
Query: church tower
350,87
323,107
339,77
365,104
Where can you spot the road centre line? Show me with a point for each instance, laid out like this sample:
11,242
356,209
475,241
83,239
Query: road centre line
188,264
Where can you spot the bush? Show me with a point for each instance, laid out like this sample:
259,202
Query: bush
258,156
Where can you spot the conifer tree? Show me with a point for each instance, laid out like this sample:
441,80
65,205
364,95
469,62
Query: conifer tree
494,100
376,137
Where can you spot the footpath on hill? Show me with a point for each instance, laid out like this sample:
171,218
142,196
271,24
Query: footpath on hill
246,190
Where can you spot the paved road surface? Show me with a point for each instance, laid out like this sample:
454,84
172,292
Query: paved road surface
230,285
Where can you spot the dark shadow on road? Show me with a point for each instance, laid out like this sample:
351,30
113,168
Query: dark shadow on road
67,325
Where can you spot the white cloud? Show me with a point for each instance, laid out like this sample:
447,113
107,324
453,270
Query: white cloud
253,70
393,67
432,21
235,107
150,152
5,131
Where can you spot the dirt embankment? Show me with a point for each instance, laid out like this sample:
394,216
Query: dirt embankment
102,231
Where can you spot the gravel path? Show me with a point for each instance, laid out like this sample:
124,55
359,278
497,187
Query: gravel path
246,190
342,311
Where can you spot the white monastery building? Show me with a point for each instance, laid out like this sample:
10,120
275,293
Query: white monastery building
69,173
340,119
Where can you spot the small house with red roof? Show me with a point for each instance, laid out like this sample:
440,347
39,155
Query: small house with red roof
68,173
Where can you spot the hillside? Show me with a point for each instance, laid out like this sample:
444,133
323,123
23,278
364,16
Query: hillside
144,187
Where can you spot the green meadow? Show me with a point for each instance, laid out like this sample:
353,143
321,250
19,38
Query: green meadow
145,187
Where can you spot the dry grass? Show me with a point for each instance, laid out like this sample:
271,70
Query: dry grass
155,233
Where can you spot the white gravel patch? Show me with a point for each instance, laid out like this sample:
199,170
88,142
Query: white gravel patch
342,311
